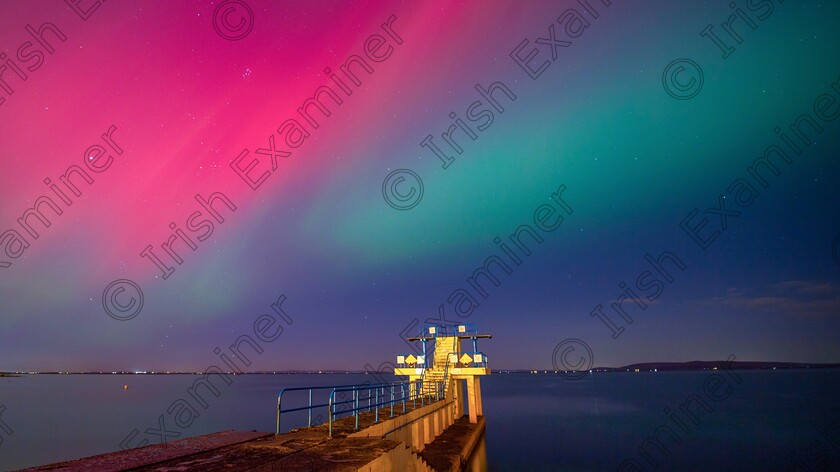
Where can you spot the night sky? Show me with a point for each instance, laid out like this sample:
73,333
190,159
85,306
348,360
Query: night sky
590,178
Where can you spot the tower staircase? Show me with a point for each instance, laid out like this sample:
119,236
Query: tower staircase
439,371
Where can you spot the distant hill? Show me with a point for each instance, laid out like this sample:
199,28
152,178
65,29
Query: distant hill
711,365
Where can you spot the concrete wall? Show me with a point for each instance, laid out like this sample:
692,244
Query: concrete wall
399,459
416,428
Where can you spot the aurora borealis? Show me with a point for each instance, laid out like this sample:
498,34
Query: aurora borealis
495,106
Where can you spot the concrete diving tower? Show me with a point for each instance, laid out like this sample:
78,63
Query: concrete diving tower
451,365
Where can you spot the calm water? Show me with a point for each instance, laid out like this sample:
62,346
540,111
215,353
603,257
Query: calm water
768,421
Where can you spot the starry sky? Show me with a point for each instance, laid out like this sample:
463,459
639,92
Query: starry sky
600,184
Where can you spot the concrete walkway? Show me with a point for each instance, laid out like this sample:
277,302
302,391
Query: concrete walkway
154,454
302,449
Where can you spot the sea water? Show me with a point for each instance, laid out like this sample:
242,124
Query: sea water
750,420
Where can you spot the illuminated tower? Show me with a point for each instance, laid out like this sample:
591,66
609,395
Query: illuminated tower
452,364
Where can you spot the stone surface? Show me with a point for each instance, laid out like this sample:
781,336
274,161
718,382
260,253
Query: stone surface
145,456
298,450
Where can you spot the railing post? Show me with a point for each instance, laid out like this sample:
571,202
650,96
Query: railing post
376,407
279,400
402,395
330,410
310,407
391,387
356,405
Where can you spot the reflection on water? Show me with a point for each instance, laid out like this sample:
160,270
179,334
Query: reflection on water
478,459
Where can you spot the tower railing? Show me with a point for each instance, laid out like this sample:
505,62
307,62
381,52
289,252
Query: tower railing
403,361
465,329
472,359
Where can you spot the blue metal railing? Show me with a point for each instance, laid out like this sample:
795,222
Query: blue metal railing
476,359
457,329
378,396
432,330
465,329
404,425
310,407
445,375
363,397
420,361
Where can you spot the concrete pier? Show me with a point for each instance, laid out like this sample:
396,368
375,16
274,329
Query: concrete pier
426,424
307,449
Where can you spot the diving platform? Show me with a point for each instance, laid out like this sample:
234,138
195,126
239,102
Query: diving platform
449,362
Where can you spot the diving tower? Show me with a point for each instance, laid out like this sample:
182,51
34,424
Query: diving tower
450,363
